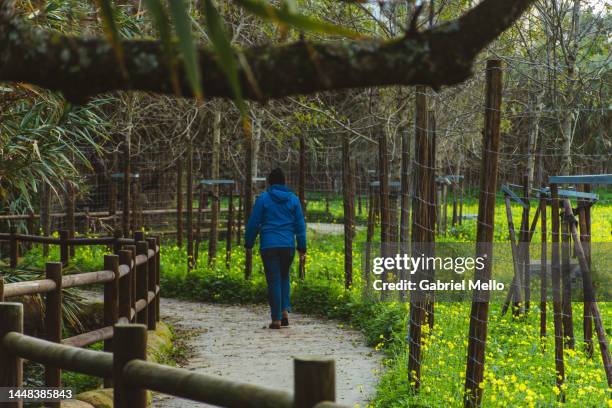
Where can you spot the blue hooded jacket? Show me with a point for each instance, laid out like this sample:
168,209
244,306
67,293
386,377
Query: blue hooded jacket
277,216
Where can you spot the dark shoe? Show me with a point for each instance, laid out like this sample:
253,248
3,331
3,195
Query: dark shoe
285,321
274,325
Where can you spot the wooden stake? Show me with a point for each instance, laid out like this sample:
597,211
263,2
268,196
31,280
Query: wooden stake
556,291
179,202
543,267
589,294
125,223
479,315
53,323
347,187
190,264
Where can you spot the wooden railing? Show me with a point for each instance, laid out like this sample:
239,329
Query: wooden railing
131,294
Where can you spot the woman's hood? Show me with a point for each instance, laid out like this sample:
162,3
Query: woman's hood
279,193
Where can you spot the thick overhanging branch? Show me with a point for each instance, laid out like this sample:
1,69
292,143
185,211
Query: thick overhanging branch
81,68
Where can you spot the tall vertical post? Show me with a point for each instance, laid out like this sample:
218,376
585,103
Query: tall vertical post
131,340
125,222
479,315
347,187
314,382
566,285
524,251
11,369
230,225
420,224
240,215
179,202
384,202
189,206
157,274
430,200
111,302
584,219
216,202
112,188
248,195
556,290
405,184
302,195
53,322
543,266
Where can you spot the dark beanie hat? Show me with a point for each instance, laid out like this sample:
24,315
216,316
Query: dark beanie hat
276,176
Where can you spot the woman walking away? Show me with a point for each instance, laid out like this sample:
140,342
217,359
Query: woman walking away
277,216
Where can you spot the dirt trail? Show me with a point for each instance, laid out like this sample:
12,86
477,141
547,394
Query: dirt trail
231,341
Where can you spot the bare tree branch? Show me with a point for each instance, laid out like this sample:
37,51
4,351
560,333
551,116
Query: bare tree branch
81,68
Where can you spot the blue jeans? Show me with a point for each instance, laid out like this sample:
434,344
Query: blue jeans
277,264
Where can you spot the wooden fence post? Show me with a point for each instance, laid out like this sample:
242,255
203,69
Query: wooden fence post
543,267
1,289
556,291
566,285
479,315
112,193
525,241
230,226
157,273
11,369
142,286
125,292
348,198
13,247
240,216
111,302
64,252
131,341
422,221
189,207
132,277
151,284
314,382
53,323
248,199
179,202
125,221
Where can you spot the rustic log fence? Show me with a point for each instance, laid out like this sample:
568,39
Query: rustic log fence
131,295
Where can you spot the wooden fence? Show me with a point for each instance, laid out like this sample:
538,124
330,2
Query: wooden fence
131,295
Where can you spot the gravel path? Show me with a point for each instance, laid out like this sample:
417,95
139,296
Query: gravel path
231,341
